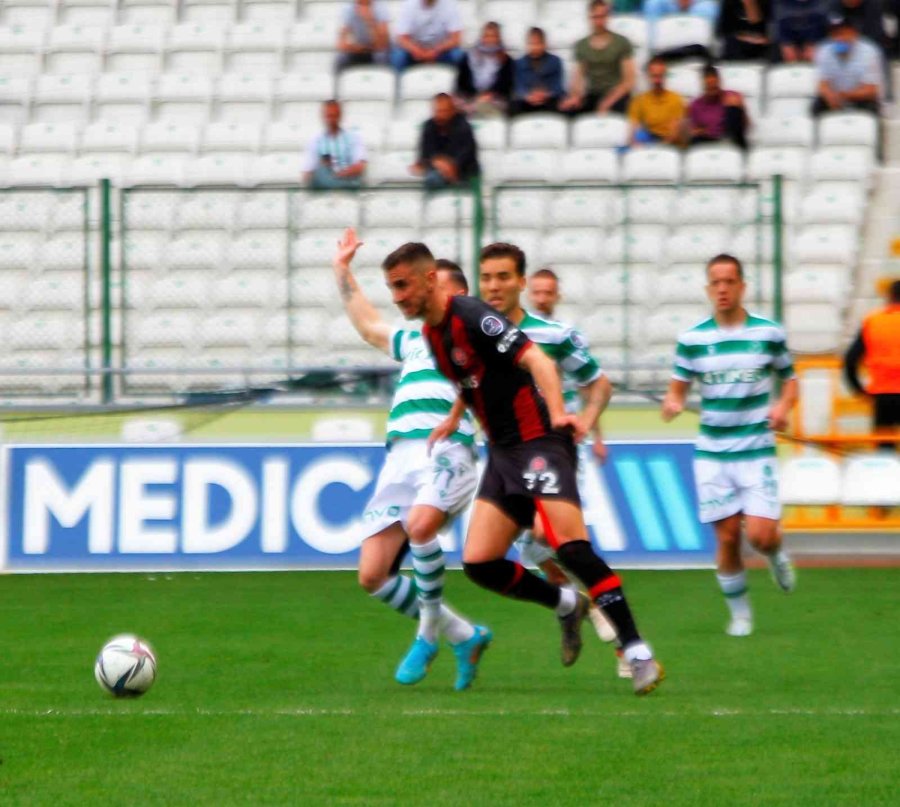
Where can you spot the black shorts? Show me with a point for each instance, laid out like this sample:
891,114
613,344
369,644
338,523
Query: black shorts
544,468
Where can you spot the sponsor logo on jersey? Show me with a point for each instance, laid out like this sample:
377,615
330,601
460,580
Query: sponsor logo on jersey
470,382
746,376
459,356
491,325
506,340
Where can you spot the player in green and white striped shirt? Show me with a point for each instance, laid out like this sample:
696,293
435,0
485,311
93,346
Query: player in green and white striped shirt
501,283
735,357
418,490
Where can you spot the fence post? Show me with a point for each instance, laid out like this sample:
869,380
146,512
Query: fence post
106,288
777,249
477,228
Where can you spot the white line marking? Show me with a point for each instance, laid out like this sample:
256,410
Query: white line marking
415,713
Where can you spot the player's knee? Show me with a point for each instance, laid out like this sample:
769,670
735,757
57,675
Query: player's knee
487,574
371,580
765,540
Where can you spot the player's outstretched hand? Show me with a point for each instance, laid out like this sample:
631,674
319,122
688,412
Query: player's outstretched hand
346,248
442,431
672,407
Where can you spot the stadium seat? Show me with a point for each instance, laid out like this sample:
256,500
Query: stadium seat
539,131
696,243
795,130
17,250
195,47
198,249
277,11
37,169
830,207
24,211
222,12
72,49
680,30
743,77
842,163
184,288
244,98
122,96
144,251
685,80
149,210
528,165
813,327
649,205
313,287
633,27
258,251
15,94
309,45
60,99
449,209
401,135
668,323
47,331
224,168
826,244
571,245
151,430
255,47
589,165
263,211
307,88
164,328
109,137
766,162
231,136
329,210
490,134
617,284
183,96
522,208
379,241
791,81
595,131
166,136
207,211
62,253
656,164
58,291
315,248
639,244
287,136
391,209
135,48
99,13
871,480
713,205
681,283
54,138
156,12
605,325
816,284
573,208
423,82
246,289
391,168
848,129
810,481
366,84
273,169
20,50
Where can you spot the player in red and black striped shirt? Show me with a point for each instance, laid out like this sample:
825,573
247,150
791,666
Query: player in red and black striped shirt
514,390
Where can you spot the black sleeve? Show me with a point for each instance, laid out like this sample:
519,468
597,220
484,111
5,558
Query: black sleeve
852,358
463,149
504,81
496,339
426,143
464,84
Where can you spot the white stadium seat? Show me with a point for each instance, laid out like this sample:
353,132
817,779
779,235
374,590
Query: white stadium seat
122,96
56,138
848,129
680,284
605,325
61,98
243,289
312,287
666,324
574,208
216,169
391,209
571,246
37,169
98,13
679,31
830,207
74,49
766,162
169,136
198,249
813,327
713,205
649,205
652,164
423,82
791,81
259,251
157,12
842,163
641,243
391,167
61,253
244,97
401,135
109,136
274,169
329,210
183,96
784,131
263,211
185,288
155,169
696,243
826,244
289,136
528,165
872,480
539,131
255,47
490,134
207,211
523,208
135,48
743,77
826,284
589,166
17,251
450,209
195,47
633,27
366,84
810,481
222,136
315,248
595,131
165,328
53,331
685,80
20,48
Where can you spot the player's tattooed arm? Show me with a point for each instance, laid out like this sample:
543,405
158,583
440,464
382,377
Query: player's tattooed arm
364,316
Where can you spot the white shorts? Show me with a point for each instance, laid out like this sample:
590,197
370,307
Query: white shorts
445,480
744,486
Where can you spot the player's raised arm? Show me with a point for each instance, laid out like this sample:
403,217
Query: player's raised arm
546,376
596,396
362,313
674,400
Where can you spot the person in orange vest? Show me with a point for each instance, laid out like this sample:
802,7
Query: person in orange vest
878,345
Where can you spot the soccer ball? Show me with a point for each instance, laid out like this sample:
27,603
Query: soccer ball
126,666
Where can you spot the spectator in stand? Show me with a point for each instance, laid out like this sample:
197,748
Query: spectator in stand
427,31
655,116
717,114
850,71
708,9
605,71
485,76
448,154
867,17
799,26
539,77
743,29
878,345
335,159
363,38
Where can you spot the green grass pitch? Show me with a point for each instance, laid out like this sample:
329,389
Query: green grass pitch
278,689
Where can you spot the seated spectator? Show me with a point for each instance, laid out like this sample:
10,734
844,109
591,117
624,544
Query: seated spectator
866,16
849,71
427,31
363,38
743,29
448,154
717,114
708,9
538,77
604,73
484,79
335,159
799,26
655,116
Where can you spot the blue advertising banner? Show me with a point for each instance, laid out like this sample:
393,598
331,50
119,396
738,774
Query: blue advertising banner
189,507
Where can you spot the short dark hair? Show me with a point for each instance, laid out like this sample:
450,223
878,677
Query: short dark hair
501,249
597,4
441,96
535,31
656,60
331,102
411,252
724,257
546,272
894,291
454,270
710,70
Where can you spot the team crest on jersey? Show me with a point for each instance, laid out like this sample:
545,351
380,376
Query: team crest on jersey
755,347
578,340
537,464
459,356
491,325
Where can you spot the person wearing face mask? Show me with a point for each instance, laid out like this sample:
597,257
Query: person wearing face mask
850,71
485,75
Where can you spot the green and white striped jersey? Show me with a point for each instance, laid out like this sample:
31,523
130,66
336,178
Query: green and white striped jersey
423,397
735,368
569,349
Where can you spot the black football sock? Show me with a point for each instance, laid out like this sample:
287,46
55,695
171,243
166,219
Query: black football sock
513,580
